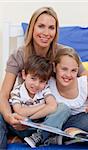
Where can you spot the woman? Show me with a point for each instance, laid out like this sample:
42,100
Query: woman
70,89
40,39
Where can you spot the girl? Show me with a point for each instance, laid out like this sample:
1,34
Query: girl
70,89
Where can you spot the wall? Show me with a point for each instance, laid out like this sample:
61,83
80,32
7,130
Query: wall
69,12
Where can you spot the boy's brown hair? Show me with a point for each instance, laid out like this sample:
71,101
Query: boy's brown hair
39,66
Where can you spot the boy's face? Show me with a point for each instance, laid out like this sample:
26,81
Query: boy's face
33,84
66,71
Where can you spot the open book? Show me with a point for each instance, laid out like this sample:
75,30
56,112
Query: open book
76,134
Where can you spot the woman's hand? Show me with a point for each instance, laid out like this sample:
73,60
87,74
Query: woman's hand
86,109
14,121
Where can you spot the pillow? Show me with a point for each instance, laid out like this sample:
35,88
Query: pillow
74,36
85,64
24,26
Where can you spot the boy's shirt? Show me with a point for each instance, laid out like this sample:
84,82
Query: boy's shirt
20,95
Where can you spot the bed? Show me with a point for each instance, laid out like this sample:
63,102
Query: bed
68,36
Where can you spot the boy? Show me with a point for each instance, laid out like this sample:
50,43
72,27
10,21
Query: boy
34,94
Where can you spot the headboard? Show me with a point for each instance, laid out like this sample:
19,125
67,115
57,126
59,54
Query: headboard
10,31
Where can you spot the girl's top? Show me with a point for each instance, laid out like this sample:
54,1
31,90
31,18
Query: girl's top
77,104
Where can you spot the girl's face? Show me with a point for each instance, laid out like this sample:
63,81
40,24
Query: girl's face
33,84
66,71
44,30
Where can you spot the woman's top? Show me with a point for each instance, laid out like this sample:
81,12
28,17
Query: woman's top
15,62
77,104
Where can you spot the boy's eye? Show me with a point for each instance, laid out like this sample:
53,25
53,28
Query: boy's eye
33,78
43,81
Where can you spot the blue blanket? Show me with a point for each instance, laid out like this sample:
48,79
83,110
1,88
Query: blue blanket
18,146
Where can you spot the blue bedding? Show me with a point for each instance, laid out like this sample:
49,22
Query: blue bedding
18,146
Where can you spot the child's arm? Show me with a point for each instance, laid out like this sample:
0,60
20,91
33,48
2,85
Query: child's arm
50,107
27,110
16,102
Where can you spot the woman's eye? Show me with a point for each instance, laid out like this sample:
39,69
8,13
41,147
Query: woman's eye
41,26
52,27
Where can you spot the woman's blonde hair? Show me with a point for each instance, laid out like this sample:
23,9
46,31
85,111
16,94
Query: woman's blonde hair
71,52
28,47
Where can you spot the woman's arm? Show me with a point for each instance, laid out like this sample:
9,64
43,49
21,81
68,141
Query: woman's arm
82,70
7,86
85,72
5,108
86,109
49,108
14,65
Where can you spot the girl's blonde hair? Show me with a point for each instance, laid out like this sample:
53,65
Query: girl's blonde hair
28,47
71,52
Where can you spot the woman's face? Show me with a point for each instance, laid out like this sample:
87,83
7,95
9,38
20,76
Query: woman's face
66,71
44,30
